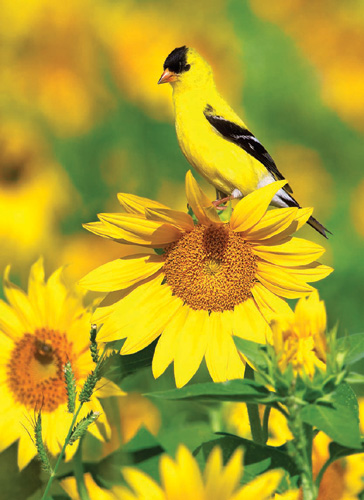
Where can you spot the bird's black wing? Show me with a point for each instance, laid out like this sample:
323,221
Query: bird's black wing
243,138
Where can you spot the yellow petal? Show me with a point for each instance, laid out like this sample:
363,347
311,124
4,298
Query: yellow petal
218,348
10,323
179,219
249,323
167,344
199,202
103,229
136,204
126,311
105,388
19,300
138,230
252,207
302,216
269,303
312,272
295,252
122,273
273,222
191,346
262,487
26,451
36,289
142,484
151,322
281,282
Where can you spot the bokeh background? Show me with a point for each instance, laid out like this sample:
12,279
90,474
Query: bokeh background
82,118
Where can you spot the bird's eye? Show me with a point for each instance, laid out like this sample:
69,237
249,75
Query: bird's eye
187,67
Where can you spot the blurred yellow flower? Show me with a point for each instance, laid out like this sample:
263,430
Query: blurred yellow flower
343,480
128,415
321,31
52,63
34,192
299,339
182,479
39,332
214,278
132,33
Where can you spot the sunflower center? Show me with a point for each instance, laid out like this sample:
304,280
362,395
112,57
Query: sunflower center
211,268
35,370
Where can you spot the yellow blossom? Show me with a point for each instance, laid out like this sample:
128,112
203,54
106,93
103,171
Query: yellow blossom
217,279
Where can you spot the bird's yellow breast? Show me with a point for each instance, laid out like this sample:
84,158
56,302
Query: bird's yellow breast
221,162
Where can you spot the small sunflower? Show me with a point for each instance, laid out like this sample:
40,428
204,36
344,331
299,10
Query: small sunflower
299,338
39,332
182,479
212,280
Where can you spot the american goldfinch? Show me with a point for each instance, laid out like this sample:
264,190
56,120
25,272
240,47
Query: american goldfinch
213,138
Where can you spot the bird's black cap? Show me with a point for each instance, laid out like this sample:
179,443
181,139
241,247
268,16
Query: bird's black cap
177,60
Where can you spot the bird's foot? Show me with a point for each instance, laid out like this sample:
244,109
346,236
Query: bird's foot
217,203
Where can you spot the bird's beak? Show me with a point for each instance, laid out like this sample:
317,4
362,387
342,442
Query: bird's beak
167,77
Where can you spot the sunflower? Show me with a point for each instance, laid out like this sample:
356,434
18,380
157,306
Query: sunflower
39,332
299,338
182,478
343,479
213,280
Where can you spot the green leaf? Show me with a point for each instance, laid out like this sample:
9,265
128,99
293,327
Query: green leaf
116,366
354,378
190,434
233,390
338,418
257,458
338,451
354,345
256,353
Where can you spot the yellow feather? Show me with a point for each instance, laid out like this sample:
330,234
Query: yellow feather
222,163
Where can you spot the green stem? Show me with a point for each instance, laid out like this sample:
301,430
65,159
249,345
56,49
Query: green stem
60,456
74,419
78,470
302,452
253,411
265,423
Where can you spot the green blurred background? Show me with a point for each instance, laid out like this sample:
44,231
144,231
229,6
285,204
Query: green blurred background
82,118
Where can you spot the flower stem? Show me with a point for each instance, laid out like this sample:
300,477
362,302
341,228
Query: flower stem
253,411
302,449
60,456
78,471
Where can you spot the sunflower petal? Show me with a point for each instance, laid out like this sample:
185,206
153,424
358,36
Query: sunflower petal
219,347
281,282
295,252
165,350
312,272
252,207
134,204
138,230
199,202
148,326
273,222
191,346
249,323
269,303
179,219
122,273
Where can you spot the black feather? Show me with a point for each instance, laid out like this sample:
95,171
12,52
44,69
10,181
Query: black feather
177,60
243,138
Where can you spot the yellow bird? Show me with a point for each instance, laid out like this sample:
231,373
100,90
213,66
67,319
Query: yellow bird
213,138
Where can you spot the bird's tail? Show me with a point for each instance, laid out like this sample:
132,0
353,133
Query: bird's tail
284,199
318,226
